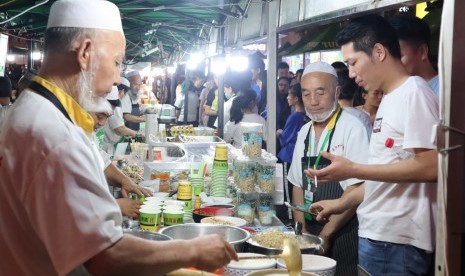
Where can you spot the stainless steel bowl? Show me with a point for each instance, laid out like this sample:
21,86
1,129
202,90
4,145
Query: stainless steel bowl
234,235
254,247
148,235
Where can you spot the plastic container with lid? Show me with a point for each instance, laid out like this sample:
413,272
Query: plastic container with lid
265,208
244,169
244,267
246,205
252,139
265,174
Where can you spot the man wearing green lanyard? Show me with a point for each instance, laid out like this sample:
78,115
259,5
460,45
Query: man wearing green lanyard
334,130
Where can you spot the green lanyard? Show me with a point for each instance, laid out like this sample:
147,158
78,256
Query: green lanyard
330,126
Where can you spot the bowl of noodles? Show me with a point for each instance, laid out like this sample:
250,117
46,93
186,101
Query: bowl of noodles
270,242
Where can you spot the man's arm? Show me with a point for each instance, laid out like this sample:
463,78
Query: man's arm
337,221
116,178
349,200
125,131
133,119
298,199
147,257
421,168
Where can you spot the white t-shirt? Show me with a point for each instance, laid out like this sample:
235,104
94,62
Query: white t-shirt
54,198
402,213
193,109
363,117
349,140
233,132
227,111
114,121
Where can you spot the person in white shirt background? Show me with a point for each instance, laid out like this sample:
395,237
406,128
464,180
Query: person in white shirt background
243,111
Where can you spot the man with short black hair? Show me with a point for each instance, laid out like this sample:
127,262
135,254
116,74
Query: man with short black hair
397,212
414,38
283,70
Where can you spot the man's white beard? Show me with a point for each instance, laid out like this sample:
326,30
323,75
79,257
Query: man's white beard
322,117
87,100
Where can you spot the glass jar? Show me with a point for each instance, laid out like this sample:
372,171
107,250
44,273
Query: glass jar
265,174
266,209
246,205
245,174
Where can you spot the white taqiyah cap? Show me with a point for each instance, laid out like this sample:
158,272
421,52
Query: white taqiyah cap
320,66
113,95
103,107
125,81
92,14
132,74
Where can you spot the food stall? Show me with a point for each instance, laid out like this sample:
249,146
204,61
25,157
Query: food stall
203,185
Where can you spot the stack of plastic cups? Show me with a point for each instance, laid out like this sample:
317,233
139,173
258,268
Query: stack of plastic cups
220,171
185,195
197,188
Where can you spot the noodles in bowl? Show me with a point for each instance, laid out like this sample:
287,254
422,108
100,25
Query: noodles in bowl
273,238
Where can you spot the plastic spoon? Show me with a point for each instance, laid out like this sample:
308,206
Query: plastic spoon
291,256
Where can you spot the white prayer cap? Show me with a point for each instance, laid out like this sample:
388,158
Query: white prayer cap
125,81
92,14
102,107
113,95
132,74
320,66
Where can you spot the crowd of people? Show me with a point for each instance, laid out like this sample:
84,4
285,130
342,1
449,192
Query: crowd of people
372,207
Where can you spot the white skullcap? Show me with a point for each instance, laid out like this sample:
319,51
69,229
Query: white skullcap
320,66
103,107
113,95
92,14
125,81
132,74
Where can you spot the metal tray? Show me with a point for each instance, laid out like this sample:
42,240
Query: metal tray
253,246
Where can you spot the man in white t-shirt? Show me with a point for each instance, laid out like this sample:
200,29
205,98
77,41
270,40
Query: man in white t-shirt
335,130
397,213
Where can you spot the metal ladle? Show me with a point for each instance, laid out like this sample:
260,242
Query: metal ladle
291,256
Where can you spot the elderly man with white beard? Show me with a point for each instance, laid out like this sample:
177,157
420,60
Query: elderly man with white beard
60,216
334,130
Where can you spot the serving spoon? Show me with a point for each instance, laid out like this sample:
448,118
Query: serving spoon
291,256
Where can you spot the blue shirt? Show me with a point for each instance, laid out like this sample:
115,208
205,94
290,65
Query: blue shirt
289,136
434,84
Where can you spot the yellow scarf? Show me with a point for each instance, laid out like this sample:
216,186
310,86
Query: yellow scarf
79,116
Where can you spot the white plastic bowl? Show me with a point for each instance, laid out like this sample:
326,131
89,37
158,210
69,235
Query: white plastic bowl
246,266
319,265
